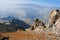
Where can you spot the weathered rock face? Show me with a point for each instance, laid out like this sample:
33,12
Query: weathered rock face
53,24
54,21
56,27
53,17
38,25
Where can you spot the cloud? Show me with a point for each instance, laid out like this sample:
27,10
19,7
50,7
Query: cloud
44,11
26,11
21,13
4,16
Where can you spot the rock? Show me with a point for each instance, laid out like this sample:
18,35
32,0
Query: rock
53,17
56,26
38,29
38,26
2,37
54,21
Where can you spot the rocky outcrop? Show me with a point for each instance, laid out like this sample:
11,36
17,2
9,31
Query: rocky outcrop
54,21
37,23
37,26
54,15
56,27
52,26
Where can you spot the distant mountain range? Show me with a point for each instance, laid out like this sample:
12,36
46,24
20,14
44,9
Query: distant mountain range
13,26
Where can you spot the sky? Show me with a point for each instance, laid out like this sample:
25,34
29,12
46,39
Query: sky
52,3
25,9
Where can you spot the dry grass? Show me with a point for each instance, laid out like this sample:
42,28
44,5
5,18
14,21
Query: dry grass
29,35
